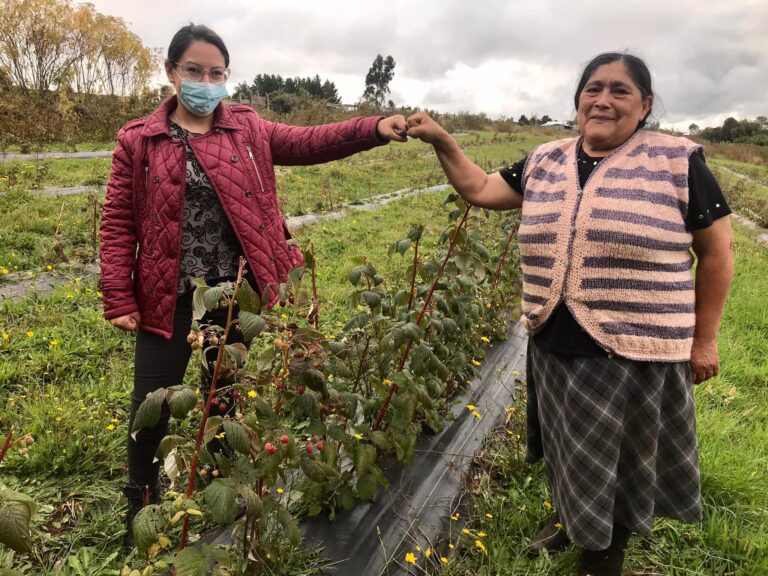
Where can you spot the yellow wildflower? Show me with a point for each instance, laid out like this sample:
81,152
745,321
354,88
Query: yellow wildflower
443,559
114,420
111,427
428,553
49,267
465,531
410,558
476,414
547,505
471,407
279,490
358,436
70,295
252,394
558,526
482,534
6,335
490,516
5,270
418,548
485,339
54,343
387,382
475,362
30,334
455,517
451,546
482,547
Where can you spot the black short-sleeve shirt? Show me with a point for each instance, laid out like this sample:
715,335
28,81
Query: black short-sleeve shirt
562,334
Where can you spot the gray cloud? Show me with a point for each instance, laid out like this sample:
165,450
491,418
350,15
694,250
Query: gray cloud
708,59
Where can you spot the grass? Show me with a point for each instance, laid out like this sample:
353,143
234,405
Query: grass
45,172
88,146
72,396
732,410
28,222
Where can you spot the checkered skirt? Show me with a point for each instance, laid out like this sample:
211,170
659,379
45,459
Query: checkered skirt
618,438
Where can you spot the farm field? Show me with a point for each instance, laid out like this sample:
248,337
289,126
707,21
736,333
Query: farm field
66,375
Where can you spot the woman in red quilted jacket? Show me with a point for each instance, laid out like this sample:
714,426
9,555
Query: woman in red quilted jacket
192,189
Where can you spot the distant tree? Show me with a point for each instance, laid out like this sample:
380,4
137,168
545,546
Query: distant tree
523,120
693,129
378,78
726,131
315,87
545,119
51,45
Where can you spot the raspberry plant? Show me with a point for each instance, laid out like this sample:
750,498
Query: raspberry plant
301,430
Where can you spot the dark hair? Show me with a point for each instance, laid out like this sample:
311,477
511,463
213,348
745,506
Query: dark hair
635,67
188,34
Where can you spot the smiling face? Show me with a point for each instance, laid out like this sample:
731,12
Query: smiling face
610,108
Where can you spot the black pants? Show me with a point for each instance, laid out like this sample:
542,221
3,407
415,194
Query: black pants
160,363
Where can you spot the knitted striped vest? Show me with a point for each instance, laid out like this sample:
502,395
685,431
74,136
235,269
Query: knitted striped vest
617,252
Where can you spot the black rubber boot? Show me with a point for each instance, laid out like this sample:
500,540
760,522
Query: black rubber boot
608,562
551,537
137,497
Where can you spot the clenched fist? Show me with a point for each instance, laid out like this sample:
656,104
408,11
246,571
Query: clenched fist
393,128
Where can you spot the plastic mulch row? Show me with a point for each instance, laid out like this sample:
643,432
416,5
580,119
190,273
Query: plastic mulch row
415,509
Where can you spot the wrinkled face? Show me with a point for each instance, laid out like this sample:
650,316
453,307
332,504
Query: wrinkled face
201,61
610,108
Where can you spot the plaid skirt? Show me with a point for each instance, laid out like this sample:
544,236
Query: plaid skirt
618,438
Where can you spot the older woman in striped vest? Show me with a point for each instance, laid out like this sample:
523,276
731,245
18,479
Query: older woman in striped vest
611,222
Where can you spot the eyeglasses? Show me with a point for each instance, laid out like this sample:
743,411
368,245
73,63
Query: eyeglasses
194,72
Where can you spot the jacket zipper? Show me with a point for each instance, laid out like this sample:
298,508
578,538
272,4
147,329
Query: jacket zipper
256,168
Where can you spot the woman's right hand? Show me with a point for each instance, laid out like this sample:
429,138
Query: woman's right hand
129,322
423,127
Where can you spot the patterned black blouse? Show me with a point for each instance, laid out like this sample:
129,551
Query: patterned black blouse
209,246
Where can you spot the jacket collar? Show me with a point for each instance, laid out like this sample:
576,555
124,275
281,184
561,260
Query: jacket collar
157,122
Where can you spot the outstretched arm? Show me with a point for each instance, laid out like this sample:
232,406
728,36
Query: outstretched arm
467,178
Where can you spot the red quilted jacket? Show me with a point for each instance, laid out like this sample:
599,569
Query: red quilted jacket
143,212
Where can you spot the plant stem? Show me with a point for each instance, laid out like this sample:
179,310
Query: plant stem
209,402
428,299
315,301
7,444
415,270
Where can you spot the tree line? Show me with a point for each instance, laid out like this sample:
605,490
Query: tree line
738,131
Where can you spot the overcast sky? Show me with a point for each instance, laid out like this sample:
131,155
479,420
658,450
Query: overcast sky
709,59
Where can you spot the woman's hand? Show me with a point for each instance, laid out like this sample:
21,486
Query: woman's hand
423,127
705,361
129,322
393,128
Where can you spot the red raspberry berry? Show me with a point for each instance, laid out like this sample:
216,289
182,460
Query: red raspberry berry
320,446
284,439
300,390
236,394
309,448
282,303
270,448
223,407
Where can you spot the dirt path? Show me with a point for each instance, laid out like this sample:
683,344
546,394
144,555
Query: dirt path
57,155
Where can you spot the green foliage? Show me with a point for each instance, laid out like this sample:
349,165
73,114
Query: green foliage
16,511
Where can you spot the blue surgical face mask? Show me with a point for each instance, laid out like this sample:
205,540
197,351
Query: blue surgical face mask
201,98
